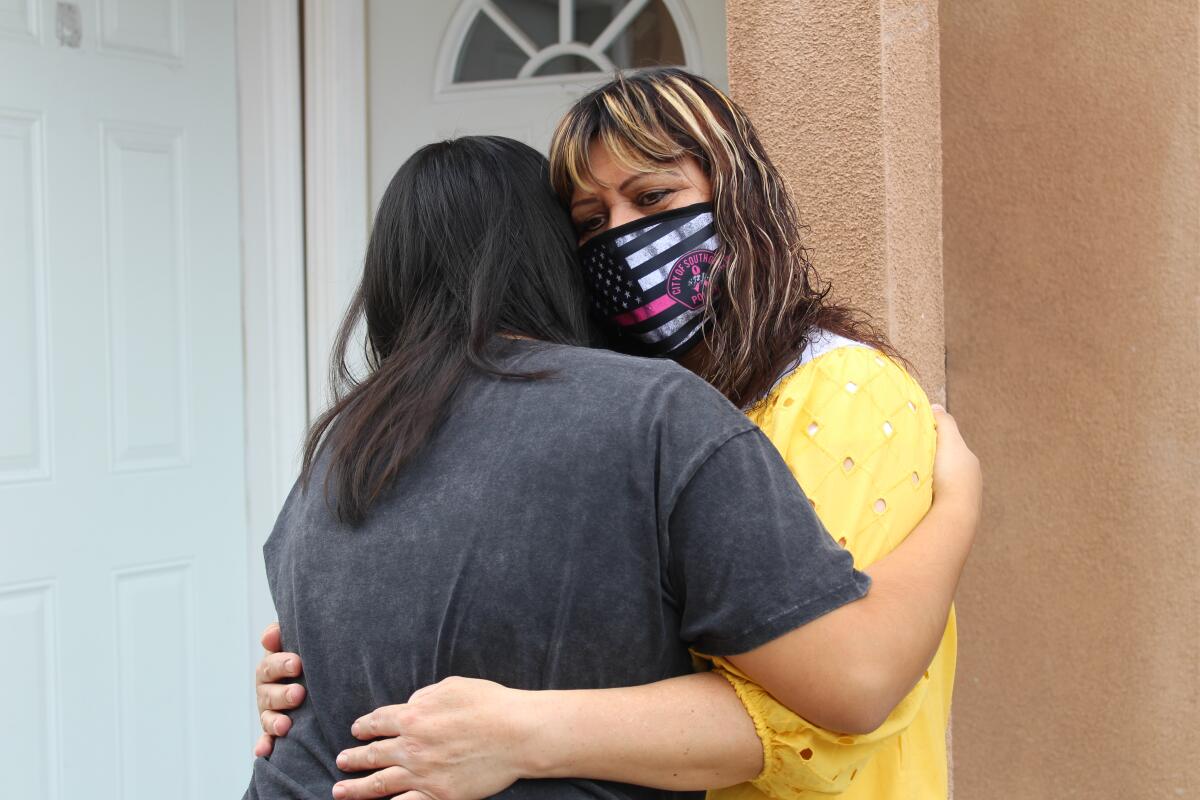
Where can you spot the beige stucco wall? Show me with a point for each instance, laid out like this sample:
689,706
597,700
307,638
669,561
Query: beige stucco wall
1072,257
1069,143
845,95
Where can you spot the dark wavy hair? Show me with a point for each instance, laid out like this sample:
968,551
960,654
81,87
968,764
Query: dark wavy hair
469,243
767,298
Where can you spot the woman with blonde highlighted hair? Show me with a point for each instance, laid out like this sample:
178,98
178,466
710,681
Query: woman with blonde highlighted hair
678,134
692,249
818,380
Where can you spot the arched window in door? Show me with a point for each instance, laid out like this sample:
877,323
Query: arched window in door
538,41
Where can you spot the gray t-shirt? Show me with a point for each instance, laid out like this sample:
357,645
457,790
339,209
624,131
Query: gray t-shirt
578,531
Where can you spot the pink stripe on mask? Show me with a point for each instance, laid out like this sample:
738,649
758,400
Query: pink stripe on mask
645,312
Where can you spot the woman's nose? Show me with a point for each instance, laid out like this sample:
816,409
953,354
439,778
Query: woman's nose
622,214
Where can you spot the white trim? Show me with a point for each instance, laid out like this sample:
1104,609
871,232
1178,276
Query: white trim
273,304
542,84
822,342
693,58
335,158
445,87
510,28
540,59
566,21
619,23
452,42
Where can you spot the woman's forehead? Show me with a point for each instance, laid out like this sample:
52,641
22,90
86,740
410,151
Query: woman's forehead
605,169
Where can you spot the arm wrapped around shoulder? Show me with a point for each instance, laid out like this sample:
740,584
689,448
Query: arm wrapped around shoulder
858,434
799,756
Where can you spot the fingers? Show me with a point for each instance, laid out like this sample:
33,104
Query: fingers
279,696
274,724
385,783
272,639
940,414
275,667
956,469
273,696
383,721
264,745
381,753
357,759
950,438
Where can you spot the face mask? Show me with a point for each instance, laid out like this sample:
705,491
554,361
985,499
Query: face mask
649,279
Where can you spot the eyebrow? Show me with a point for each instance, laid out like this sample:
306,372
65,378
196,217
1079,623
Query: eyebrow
625,185
585,201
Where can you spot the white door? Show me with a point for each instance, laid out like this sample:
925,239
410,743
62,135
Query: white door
122,510
460,67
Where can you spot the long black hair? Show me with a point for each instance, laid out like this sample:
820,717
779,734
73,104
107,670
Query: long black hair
469,242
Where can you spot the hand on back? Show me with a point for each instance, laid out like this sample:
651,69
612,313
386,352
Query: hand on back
459,739
462,730
274,696
957,474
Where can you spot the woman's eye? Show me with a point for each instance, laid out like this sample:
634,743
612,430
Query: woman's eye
590,224
654,197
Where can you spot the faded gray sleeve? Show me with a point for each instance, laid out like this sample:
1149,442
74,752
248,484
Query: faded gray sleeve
748,559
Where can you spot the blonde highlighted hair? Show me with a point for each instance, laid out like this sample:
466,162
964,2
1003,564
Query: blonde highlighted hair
766,298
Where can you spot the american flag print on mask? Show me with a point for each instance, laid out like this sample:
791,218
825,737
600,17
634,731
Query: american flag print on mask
649,279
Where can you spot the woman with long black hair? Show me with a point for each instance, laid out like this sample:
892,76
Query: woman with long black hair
493,499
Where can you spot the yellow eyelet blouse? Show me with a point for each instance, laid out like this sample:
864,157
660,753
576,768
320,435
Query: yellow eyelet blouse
857,432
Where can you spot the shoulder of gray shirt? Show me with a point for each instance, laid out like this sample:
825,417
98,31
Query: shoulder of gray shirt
683,415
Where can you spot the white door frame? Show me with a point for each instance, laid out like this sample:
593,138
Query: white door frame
304,209
335,159
273,283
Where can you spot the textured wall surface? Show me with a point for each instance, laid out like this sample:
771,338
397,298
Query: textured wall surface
1072,256
845,94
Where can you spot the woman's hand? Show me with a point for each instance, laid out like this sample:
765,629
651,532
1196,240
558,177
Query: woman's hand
461,739
956,472
274,696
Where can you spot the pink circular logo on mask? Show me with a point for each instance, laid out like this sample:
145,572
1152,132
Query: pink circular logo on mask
687,282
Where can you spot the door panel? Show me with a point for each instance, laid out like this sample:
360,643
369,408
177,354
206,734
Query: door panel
147,348
24,430
122,507
27,626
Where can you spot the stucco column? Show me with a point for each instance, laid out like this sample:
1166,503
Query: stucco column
1072,231
845,94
